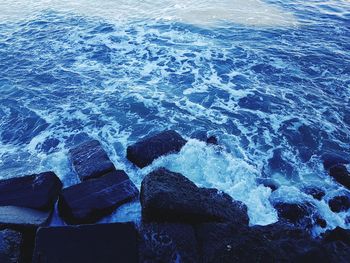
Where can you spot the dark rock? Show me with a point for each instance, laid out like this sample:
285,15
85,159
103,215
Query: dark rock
90,160
331,159
337,234
267,182
302,214
220,242
22,216
38,191
10,245
146,151
103,243
169,196
316,193
321,222
340,174
212,140
339,203
313,254
93,199
336,252
165,242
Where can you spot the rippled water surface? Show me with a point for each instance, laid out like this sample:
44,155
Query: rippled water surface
270,79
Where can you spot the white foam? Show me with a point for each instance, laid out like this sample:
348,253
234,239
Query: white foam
208,166
198,12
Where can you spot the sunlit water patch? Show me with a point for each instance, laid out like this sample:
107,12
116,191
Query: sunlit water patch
277,97
195,12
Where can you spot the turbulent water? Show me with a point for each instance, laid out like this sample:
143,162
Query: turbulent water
270,79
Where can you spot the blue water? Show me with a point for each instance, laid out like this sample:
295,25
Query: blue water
277,97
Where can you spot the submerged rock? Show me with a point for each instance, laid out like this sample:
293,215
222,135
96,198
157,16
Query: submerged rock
37,191
169,196
167,242
316,193
212,140
90,160
339,203
146,151
340,174
103,243
331,159
93,199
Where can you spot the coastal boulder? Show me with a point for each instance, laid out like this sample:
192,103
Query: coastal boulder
169,196
10,246
147,150
102,243
340,174
93,199
167,242
37,191
90,160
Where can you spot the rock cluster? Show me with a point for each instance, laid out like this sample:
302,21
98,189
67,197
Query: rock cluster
181,222
27,203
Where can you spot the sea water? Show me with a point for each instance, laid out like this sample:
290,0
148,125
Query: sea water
270,79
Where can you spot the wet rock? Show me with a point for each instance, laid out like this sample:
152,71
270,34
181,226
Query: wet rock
169,196
10,245
146,151
339,203
316,193
220,242
340,174
267,182
331,159
93,199
298,214
90,160
25,204
22,216
37,191
337,234
166,242
103,243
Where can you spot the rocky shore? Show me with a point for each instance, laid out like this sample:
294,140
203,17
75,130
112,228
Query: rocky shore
180,221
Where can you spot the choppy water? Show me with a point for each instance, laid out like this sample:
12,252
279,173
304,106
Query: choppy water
270,79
